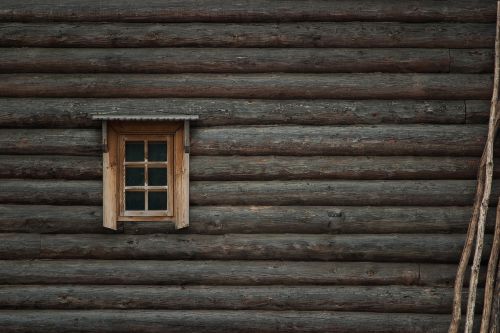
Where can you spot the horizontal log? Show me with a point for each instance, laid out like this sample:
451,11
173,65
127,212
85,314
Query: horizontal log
304,34
238,60
112,272
320,167
246,11
249,220
343,140
11,249
477,112
307,220
52,219
394,247
304,298
277,193
241,60
259,167
59,192
209,321
51,167
51,141
284,193
413,140
278,86
76,112
471,61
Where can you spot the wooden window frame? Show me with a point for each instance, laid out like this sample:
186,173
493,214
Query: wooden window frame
114,133
169,165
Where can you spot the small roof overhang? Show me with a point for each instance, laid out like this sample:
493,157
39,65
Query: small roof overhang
172,117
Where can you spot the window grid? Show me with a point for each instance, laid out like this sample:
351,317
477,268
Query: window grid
146,164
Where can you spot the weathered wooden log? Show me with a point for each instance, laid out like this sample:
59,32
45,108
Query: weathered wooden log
246,11
426,140
238,60
324,167
52,219
30,246
258,167
304,298
477,112
279,86
307,220
240,219
394,247
50,141
304,34
277,193
251,220
244,60
283,193
218,272
471,61
51,167
76,112
209,321
346,140
59,192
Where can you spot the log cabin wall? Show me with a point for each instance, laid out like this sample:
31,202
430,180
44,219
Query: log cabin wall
332,173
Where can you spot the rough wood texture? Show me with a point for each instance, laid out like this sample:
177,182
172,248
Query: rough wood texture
395,247
60,192
246,11
51,167
326,167
306,34
477,112
333,298
280,193
427,140
471,61
51,219
10,247
243,60
491,278
355,140
306,220
150,321
480,209
76,112
217,272
278,86
258,167
251,220
51,141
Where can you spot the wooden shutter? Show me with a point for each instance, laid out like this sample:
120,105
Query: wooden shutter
109,173
182,176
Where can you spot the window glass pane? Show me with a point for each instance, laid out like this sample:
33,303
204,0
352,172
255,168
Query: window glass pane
157,151
134,200
134,151
157,176
157,201
134,176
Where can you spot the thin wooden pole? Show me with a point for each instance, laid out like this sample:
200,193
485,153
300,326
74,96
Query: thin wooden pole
490,277
495,318
485,178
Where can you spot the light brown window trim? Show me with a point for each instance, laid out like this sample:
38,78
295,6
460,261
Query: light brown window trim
169,165
114,132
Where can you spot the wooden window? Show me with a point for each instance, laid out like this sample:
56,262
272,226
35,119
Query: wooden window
145,171
146,175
